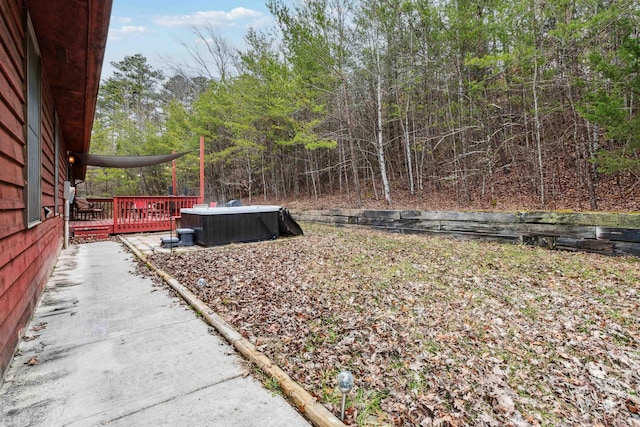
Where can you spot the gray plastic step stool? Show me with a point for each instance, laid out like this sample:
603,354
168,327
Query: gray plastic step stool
186,236
169,242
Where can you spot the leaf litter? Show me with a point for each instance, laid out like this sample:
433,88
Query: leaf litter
437,332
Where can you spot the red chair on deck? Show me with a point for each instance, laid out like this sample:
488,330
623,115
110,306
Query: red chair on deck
140,207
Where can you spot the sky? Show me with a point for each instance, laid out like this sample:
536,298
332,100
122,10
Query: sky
156,28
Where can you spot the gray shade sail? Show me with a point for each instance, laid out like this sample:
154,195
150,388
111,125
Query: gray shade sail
124,161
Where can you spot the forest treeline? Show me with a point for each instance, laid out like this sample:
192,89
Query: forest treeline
485,102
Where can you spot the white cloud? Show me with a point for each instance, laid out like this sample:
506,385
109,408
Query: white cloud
122,19
241,12
206,41
208,17
126,30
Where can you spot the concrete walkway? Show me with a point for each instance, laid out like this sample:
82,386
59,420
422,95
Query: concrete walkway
108,347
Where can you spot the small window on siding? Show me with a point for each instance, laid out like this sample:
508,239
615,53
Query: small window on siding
34,151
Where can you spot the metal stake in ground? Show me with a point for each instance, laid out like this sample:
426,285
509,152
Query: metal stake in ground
345,384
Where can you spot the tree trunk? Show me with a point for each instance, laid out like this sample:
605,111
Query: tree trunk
592,168
404,125
538,132
352,149
380,140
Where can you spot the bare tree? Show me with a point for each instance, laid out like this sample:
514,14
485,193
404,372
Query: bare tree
211,55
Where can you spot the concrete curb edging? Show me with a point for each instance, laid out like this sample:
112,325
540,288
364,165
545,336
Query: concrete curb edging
305,403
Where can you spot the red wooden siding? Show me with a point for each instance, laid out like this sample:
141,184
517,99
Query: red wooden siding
27,256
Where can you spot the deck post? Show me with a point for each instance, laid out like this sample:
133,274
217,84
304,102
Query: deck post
174,181
201,169
116,213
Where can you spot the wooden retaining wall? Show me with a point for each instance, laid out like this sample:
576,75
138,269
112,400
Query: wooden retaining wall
605,233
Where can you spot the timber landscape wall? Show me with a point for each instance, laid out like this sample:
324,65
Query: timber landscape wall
605,233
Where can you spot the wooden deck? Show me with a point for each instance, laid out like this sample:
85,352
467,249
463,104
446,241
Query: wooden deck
122,215
99,229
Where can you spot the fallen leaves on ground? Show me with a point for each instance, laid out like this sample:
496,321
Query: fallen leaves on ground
40,326
32,361
437,332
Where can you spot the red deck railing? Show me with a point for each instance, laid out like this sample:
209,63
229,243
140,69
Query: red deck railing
153,213
105,205
142,214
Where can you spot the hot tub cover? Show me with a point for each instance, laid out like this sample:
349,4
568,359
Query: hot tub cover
231,210
286,224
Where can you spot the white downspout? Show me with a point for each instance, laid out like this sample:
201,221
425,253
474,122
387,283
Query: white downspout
69,193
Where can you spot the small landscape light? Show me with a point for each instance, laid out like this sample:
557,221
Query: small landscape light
201,283
345,384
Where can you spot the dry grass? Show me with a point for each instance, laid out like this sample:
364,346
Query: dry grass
436,331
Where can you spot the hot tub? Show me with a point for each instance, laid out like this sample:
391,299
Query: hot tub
219,226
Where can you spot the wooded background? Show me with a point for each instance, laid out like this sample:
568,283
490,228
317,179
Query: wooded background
477,103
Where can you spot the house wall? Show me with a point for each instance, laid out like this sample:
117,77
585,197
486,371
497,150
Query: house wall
27,255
